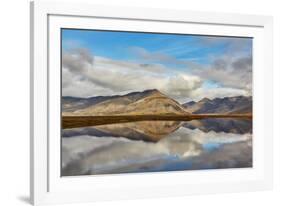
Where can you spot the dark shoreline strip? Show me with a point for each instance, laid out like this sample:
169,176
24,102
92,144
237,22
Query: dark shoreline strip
85,121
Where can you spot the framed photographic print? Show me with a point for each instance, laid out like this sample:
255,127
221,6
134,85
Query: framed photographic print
137,103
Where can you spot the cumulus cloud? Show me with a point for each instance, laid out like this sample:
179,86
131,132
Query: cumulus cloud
77,60
85,75
229,72
232,71
182,86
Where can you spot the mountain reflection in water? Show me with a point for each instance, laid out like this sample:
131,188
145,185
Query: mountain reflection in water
151,146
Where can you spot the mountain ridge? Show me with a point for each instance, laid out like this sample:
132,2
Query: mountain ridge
152,102
134,103
83,102
230,105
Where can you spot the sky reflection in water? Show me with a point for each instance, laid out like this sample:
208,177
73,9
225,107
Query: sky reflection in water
151,146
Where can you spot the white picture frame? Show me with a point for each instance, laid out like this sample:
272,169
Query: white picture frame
47,18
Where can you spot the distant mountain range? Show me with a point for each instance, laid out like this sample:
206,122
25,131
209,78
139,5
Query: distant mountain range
135,103
151,102
231,105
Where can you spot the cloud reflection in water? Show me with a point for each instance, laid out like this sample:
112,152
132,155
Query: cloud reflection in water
136,147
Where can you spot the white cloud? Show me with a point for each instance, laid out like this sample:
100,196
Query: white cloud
232,71
182,86
85,75
212,93
229,72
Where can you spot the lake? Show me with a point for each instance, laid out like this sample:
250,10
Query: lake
154,146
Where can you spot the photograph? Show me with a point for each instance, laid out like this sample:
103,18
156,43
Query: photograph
140,102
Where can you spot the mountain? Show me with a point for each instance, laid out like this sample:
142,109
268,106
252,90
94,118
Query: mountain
232,105
194,106
71,104
135,103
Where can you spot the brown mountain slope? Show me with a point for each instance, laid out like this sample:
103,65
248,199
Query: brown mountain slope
153,102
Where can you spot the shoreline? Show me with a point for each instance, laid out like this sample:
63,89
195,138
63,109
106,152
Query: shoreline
69,122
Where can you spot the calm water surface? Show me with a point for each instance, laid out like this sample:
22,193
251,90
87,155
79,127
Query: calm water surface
151,146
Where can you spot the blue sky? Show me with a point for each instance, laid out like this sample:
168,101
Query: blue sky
177,53
120,45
